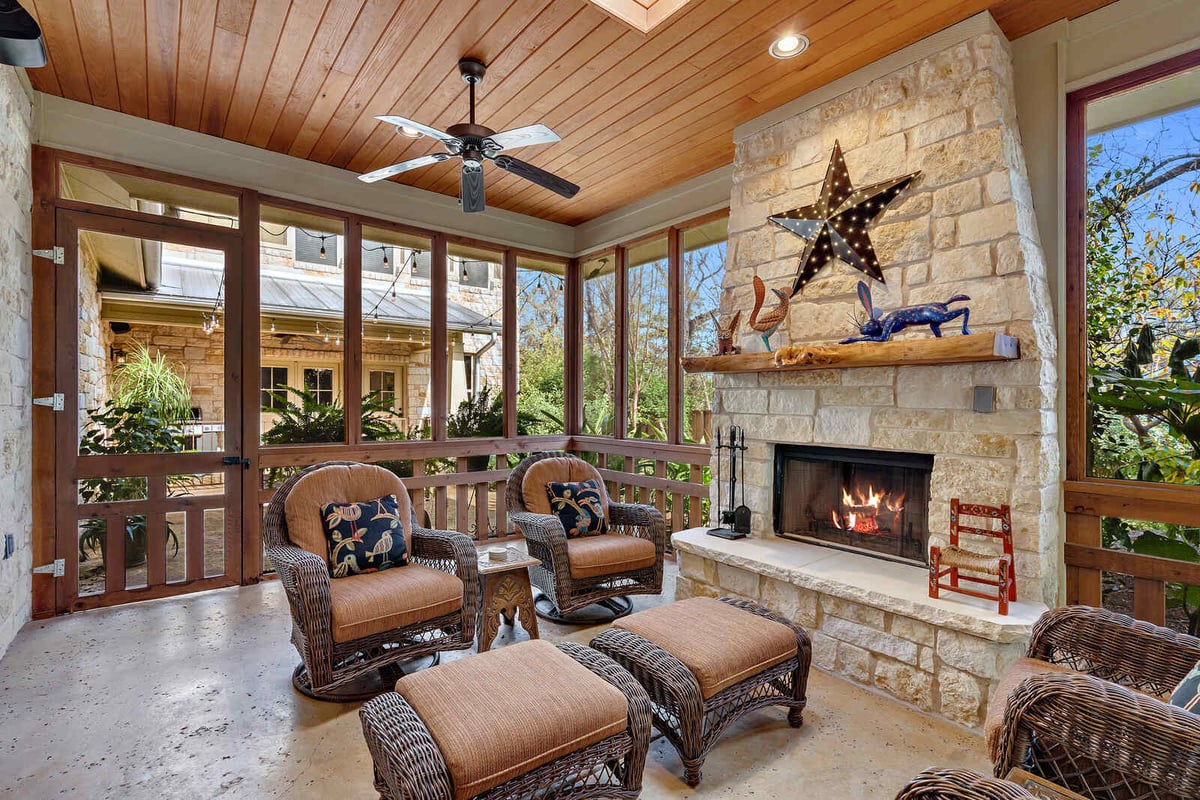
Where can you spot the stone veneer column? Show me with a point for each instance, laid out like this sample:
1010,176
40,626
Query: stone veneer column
965,227
16,288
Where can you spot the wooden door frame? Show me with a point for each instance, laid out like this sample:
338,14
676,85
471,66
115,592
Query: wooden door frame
69,466
1086,500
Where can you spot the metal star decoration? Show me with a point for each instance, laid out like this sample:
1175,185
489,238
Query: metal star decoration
836,225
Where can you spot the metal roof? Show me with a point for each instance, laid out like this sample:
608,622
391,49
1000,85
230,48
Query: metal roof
195,283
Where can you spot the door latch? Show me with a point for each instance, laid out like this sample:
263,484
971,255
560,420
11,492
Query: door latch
55,402
233,461
58,568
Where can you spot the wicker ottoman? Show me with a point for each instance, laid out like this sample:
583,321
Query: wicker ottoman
707,662
530,719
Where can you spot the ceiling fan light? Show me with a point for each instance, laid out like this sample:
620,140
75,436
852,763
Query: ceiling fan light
411,133
789,46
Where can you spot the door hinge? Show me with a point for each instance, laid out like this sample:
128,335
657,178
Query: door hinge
57,569
235,461
55,402
55,254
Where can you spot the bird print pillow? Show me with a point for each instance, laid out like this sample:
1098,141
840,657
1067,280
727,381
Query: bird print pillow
579,507
364,537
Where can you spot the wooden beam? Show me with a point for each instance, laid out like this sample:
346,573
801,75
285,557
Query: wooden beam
1179,505
906,352
242,511
509,343
573,350
675,323
439,367
44,344
1146,567
620,347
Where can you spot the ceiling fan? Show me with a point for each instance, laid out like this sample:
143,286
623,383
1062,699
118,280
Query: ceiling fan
475,144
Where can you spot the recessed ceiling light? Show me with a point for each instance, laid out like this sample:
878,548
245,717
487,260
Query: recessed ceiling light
789,46
411,133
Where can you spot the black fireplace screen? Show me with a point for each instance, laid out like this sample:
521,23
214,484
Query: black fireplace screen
872,501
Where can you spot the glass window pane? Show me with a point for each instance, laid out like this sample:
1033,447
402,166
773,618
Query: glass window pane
117,190
475,305
396,335
599,344
1142,282
703,269
151,346
540,338
646,332
302,292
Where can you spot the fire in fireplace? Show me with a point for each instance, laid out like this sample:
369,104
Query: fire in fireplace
870,501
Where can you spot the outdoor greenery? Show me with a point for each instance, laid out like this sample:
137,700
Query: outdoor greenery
148,397
1143,325
300,418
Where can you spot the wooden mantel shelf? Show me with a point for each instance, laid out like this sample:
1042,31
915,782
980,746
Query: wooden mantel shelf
907,352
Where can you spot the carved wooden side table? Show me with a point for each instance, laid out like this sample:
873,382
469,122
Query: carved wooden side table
506,592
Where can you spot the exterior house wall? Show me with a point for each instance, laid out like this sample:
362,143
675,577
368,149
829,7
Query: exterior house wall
16,289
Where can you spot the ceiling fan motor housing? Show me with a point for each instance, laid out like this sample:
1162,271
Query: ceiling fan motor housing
471,69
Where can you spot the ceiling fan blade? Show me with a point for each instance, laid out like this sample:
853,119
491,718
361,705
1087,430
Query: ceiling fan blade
535,175
472,189
522,137
391,119
403,166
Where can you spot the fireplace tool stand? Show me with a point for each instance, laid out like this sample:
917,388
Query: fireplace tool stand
734,521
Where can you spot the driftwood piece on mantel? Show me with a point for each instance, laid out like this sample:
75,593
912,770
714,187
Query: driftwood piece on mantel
904,352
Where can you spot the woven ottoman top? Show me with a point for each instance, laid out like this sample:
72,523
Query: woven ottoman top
500,714
720,644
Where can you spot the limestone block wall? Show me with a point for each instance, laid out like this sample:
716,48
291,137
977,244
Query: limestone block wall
966,226
16,288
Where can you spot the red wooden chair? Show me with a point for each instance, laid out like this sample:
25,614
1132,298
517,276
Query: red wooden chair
946,562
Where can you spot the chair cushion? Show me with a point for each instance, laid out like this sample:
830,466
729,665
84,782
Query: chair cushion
609,553
1023,668
578,506
562,469
375,602
339,483
364,537
720,644
1187,693
500,714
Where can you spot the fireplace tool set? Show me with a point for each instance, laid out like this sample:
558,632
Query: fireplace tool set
734,520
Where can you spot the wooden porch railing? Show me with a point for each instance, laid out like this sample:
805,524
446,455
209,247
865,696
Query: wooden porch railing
1087,503
448,494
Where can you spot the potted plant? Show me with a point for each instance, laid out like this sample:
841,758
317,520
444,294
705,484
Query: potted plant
480,415
148,396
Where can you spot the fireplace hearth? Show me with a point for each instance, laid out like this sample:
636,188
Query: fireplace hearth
870,501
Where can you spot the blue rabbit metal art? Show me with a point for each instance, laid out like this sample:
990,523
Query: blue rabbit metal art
935,315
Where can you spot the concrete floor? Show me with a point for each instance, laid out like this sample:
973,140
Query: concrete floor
191,697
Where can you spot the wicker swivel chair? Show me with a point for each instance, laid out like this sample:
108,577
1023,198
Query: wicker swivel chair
583,571
960,784
1083,710
348,629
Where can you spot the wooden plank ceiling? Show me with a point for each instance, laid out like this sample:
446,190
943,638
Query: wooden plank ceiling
637,112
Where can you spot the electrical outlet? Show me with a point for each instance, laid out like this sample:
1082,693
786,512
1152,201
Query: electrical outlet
10,545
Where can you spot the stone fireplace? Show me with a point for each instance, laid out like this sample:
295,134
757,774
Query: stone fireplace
944,107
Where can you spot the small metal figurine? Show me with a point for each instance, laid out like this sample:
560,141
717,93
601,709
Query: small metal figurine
935,315
770,321
725,334
736,518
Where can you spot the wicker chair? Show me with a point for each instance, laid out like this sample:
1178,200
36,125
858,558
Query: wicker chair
341,657
1089,722
570,576
960,784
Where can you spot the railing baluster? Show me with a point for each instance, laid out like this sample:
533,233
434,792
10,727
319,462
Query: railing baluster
462,498
1150,600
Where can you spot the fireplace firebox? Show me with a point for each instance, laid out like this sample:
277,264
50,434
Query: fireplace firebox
870,501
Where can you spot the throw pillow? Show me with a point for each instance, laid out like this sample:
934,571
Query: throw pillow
364,537
579,506
1187,693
